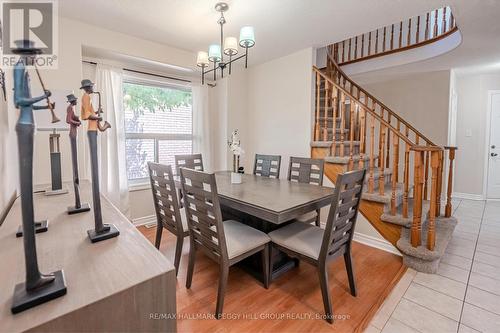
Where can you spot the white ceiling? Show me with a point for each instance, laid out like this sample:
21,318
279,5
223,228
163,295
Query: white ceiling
281,26
285,26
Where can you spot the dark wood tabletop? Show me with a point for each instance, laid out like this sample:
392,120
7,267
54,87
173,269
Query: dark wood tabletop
274,200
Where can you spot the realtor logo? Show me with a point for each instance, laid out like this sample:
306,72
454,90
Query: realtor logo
33,20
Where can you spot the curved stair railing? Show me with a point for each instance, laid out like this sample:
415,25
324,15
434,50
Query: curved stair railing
364,132
404,35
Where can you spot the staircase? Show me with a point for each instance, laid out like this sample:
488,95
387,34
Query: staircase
406,173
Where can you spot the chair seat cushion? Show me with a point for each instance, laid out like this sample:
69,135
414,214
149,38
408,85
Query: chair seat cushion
184,219
308,217
240,238
302,238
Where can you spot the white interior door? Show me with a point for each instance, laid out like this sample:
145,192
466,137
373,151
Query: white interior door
494,149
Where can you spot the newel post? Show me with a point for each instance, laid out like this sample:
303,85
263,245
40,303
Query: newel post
431,232
416,226
448,208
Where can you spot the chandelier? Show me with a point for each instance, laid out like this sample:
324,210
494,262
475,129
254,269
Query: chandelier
228,47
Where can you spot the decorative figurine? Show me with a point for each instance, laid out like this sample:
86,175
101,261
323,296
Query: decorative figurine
74,122
101,231
38,288
56,187
235,147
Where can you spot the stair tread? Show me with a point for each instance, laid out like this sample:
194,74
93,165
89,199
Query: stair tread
346,159
322,144
386,197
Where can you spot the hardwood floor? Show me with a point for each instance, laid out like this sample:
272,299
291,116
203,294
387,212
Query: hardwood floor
292,303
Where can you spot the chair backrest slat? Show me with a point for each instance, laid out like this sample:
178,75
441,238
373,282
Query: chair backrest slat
192,161
165,197
267,165
203,212
306,170
343,213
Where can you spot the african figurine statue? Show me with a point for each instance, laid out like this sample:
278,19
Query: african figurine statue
38,287
74,122
102,231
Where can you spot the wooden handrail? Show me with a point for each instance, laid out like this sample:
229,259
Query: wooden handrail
367,109
448,26
375,100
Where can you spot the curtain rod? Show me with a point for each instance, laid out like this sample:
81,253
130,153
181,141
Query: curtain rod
146,73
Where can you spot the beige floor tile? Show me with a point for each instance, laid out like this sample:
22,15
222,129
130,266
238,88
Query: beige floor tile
395,326
390,303
463,251
371,329
465,235
483,299
443,304
484,283
486,239
486,270
479,319
493,250
466,329
467,228
442,284
457,261
487,259
423,319
454,273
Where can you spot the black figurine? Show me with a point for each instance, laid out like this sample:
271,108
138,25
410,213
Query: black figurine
74,122
101,231
38,288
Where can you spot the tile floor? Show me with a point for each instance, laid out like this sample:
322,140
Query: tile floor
464,296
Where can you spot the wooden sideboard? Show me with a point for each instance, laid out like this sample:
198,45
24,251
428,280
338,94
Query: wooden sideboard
118,285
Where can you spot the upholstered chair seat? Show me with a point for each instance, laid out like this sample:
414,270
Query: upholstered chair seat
241,238
308,217
302,238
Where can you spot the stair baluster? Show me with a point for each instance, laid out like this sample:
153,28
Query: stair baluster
388,147
356,48
362,137
426,181
395,166
380,143
401,34
444,21
316,125
362,45
371,178
342,125
392,37
408,38
417,34
440,183
370,43
451,157
406,178
325,113
435,23
351,136
381,177
384,39
335,93
427,29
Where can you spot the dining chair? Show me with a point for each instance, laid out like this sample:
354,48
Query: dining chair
190,161
308,171
267,165
168,213
317,246
225,242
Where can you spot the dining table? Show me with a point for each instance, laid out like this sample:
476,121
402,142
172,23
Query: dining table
268,204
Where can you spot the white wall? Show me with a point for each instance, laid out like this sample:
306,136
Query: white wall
279,107
472,91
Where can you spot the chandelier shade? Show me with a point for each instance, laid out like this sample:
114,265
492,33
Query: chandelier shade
214,54
247,37
202,59
231,46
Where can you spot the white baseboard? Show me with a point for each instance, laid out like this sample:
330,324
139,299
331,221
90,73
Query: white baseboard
150,219
467,196
378,243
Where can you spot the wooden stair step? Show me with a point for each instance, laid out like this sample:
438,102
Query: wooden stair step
398,218
346,159
386,197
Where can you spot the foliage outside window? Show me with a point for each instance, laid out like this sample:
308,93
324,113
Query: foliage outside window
158,125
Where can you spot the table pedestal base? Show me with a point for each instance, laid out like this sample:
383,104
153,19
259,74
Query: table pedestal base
281,262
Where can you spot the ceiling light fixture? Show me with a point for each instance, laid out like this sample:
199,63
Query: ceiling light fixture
228,47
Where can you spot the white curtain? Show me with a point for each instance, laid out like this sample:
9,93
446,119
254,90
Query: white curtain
114,184
202,142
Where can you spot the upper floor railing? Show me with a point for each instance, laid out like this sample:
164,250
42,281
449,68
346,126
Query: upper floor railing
401,36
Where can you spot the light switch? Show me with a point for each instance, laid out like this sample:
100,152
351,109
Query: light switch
468,133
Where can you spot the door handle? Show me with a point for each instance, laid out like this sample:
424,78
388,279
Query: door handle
493,147
494,154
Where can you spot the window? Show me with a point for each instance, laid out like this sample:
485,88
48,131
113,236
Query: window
158,125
